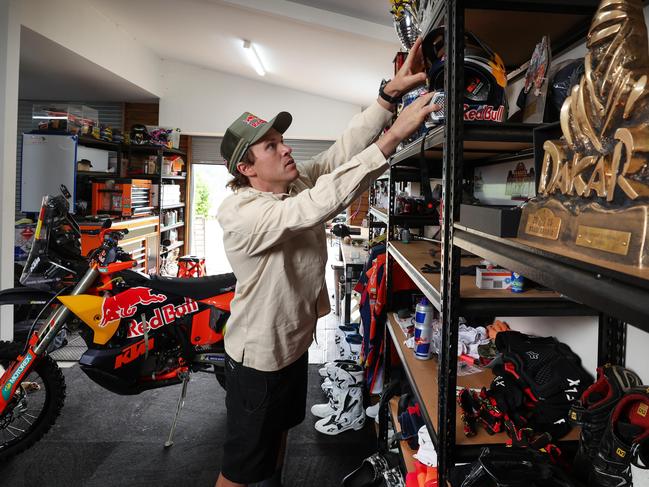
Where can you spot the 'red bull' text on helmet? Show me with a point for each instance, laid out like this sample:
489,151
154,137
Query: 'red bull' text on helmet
485,78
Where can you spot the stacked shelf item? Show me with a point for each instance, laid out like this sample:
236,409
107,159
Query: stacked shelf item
407,453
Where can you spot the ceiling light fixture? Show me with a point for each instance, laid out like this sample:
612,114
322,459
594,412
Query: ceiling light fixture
254,58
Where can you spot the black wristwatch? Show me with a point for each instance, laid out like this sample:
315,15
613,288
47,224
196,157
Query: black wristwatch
390,99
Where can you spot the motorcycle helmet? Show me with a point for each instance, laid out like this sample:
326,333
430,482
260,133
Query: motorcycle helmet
564,77
159,137
139,134
485,78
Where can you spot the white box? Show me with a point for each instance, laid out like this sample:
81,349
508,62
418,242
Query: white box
493,278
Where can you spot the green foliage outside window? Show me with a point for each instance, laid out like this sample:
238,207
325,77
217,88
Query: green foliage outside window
202,199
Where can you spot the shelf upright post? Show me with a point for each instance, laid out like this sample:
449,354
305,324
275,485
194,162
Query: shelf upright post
450,276
391,204
387,341
159,158
611,342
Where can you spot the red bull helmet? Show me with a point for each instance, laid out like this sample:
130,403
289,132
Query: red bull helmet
485,78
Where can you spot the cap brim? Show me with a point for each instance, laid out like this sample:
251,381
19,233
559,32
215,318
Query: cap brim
280,123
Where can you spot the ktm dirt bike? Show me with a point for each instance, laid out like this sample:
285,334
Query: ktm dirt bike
141,332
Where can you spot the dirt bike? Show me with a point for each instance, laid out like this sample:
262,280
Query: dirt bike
141,332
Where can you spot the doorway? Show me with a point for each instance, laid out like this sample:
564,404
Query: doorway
206,236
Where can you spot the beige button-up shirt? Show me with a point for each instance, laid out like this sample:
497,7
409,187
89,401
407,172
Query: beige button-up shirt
276,246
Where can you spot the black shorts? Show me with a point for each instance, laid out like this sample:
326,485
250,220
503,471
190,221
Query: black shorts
260,407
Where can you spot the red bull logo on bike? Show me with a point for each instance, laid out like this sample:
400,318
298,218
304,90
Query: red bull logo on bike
124,304
6,390
162,316
132,352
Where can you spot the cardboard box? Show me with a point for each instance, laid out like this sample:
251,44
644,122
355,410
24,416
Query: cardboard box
495,278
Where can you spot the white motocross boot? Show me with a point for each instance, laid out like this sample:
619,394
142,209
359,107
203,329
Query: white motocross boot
349,413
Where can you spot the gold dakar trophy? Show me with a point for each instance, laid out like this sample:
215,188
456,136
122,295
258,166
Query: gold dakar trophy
593,193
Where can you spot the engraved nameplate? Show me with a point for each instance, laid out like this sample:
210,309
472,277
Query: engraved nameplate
604,239
543,223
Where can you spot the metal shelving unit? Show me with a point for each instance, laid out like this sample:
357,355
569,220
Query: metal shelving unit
579,288
379,214
171,227
607,289
481,141
171,207
173,246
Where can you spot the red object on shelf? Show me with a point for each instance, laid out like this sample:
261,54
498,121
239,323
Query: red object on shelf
398,61
191,266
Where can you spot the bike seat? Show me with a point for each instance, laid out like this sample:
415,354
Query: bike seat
194,287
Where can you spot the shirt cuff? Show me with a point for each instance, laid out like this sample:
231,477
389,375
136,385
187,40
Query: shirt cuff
376,110
372,157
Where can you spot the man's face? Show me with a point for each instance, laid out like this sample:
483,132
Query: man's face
274,167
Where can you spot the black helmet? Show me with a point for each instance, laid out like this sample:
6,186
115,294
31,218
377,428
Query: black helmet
566,75
485,78
139,134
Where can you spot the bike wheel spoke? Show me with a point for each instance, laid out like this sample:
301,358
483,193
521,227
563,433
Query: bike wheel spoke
10,427
11,433
26,420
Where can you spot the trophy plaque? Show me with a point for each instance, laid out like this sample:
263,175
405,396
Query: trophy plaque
593,191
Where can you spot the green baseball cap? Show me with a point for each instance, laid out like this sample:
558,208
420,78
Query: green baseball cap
245,131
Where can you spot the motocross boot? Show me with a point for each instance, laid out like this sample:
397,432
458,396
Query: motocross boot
625,441
592,411
345,376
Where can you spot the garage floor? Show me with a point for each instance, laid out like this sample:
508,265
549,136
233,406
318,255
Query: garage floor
104,440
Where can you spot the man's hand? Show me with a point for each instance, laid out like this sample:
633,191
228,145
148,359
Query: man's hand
410,75
408,121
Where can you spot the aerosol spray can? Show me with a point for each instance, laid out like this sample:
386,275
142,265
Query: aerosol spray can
517,283
423,329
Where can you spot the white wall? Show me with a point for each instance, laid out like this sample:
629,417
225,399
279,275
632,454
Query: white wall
578,332
204,102
9,63
84,30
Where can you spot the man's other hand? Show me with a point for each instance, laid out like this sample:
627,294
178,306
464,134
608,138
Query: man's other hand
408,121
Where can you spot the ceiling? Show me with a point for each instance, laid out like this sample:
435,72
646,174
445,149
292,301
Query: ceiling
338,49
49,71
373,10
333,48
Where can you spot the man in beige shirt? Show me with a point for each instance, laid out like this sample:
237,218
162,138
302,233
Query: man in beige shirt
273,232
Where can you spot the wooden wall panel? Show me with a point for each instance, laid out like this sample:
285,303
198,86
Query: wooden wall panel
360,207
144,113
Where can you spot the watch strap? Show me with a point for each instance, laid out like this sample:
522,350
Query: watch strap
390,99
